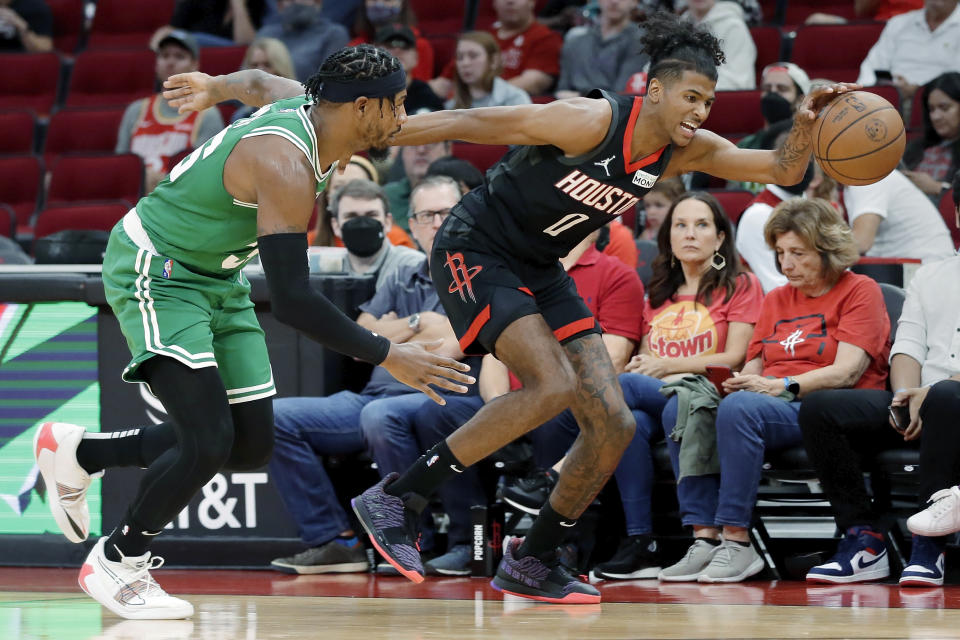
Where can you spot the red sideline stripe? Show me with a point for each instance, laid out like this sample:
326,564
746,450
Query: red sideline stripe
474,328
527,291
568,330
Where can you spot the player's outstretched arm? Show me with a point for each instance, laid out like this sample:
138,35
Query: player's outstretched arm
197,91
577,125
785,165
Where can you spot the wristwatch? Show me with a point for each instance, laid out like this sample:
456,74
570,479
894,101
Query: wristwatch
414,322
792,386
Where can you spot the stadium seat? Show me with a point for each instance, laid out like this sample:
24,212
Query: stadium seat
482,156
121,24
111,78
68,24
438,18
733,201
29,81
20,179
916,112
948,211
444,50
735,113
799,10
94,216
218,61
96,177
7,217
887,92
82,131
834,51
17,131
769,42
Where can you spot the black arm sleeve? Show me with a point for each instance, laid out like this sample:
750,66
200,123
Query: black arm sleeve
294,302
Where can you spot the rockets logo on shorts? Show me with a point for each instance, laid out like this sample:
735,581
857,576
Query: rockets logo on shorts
167,268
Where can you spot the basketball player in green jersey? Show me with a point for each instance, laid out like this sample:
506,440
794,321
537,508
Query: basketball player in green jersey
172,274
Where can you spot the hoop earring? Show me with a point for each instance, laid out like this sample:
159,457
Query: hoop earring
718,265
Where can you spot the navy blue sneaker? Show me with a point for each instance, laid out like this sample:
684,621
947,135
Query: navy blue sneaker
926,564
392,527
860,557
546,581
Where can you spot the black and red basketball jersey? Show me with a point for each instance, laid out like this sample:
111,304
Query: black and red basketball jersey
538,204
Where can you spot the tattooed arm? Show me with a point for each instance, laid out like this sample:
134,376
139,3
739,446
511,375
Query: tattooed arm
197,91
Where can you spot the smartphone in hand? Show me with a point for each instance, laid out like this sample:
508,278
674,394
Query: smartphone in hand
717,373
900,417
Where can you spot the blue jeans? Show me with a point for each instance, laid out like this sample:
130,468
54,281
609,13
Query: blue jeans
748,424
388,428
634,473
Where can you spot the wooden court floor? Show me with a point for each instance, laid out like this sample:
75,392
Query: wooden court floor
42,604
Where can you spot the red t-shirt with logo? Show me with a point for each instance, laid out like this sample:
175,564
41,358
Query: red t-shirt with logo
536,48
796,334
684,328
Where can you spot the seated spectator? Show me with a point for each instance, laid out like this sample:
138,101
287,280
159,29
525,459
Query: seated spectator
935,157
153,129
466,175
266,54
656,205
915,47
308,35
217,23
784,85
414,160
25,25
824,330
400,41
404,307
476,78
603,55
892,219
373,15
725,20
360,217
752,13
844,429
700,310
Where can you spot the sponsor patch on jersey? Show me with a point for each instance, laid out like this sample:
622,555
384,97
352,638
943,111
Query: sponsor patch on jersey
643,179
167,268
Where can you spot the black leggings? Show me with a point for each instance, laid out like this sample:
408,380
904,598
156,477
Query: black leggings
204,435
844,428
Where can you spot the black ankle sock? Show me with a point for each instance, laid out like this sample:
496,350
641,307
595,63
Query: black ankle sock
546,533
99,451
129,538
712,541
427,473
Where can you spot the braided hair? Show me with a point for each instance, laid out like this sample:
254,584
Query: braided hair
675,46
362,62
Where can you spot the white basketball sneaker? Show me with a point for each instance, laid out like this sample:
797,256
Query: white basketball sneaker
55,450
127,589
941,518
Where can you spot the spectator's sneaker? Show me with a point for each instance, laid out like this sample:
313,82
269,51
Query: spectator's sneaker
860,557
636,558
546,581
530,493
941,518
127,589
392,527
692,564
55,449
455,562
926,564
332,557
732,562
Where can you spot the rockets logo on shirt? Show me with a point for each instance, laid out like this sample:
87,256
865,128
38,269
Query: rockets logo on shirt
794,333
603,197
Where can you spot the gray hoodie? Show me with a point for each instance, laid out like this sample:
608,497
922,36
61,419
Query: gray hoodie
726,21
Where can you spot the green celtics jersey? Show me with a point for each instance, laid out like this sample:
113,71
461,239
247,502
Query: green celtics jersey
191,218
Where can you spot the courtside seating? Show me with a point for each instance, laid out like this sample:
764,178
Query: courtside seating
82,130
886,91
122,24
916,112
68,24
218,61
7,228
438,18
444,50
111,78
799,10
20,179
949,213
834,51
769,42
95,178
733,201
17,131
482,156
735,113
97,217
29,81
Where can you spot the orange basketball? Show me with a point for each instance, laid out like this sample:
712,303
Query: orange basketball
858,138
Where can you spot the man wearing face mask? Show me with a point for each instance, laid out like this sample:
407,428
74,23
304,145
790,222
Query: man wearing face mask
361,218
309,36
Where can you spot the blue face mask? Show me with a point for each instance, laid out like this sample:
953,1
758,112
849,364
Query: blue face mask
382,13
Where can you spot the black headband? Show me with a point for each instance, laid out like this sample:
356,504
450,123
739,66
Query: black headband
349,90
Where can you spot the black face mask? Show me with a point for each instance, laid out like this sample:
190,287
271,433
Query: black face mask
800,187
362,236
775,107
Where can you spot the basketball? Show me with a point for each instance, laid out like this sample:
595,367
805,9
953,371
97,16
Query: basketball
858,138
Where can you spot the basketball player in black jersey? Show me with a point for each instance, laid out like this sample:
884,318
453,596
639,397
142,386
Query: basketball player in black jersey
581,163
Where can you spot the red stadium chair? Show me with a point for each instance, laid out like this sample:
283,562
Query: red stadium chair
887,92
835,51
218,61
111,78
916,112
82,130
16,131
444,51
735,113
20,179
949,213
799,10
29,81
769,42
482,156
733,201
122,24
79,178
7,228
96,217
68,24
